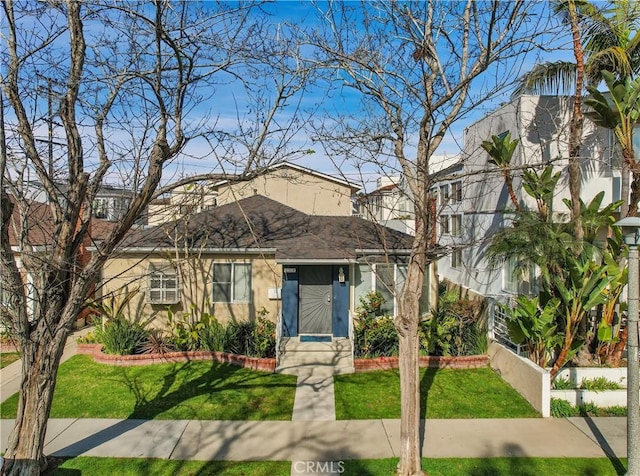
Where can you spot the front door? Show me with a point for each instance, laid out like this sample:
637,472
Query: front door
315,300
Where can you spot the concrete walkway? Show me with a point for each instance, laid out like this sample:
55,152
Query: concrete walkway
331,440
315,435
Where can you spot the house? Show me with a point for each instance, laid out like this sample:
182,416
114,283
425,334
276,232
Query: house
31,237
306,190
110,203
388,205
257,255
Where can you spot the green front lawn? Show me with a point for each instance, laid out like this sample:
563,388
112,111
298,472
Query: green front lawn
7,358
89,466
180,391
494,467
473,393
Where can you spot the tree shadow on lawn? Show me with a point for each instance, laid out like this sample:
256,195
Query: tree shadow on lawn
181,383
185,382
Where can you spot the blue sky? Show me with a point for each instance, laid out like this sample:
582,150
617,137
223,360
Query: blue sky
304,13
229,103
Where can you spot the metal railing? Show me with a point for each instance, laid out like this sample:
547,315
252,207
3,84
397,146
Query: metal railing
498,330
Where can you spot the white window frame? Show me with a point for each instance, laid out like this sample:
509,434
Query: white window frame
163,274
444,225
456,225
444,194
456,258
234,284
456,192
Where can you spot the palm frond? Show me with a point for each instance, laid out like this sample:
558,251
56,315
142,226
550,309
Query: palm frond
548,78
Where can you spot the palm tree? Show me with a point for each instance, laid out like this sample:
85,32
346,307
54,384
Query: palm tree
501,148
620,112
603,39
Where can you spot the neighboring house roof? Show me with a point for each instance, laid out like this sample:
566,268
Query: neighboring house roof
258,222
39,225
299,168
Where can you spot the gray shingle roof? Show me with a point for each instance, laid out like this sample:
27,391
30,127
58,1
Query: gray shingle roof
259,222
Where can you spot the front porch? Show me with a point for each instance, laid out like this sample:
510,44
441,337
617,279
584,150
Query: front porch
331,357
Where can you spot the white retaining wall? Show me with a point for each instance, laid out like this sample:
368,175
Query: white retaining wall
531,381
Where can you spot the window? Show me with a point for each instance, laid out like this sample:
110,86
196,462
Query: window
444,224
444,193
456,259
388,279
456,191
163,284
456,225
231,282
518,278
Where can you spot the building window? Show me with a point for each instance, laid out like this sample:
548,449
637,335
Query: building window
456,259
163,284
232,282
444,224
456,225
387,279
456,191
444,194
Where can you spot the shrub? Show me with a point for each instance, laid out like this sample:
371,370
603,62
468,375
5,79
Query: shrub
598,384
562,384
121,337
561,408
374,335
90,338
264,336
588,409
454,328
157,343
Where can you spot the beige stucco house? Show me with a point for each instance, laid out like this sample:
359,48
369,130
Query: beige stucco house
303,189
257,255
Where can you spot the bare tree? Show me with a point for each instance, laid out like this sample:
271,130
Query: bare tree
417,67
127,87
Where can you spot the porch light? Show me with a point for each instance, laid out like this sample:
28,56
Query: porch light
341,278
630,227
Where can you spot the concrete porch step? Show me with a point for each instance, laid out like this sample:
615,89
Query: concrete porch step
329,357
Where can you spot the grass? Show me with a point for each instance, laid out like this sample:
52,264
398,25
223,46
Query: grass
91,466
494,467
190,390
473,393
7,358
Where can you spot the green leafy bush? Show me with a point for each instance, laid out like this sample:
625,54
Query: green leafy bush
264,336
121,337
561,408
454,328
254,339
375,335
598,384
562,384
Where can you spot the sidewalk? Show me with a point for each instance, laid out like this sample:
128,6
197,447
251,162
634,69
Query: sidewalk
315,435
330,440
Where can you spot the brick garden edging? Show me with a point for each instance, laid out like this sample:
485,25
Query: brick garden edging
253,363
389,363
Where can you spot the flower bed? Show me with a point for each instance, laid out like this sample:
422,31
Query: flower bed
388,363
253,363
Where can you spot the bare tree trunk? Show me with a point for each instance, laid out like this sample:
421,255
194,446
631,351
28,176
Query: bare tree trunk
410,463
24,454
407,325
